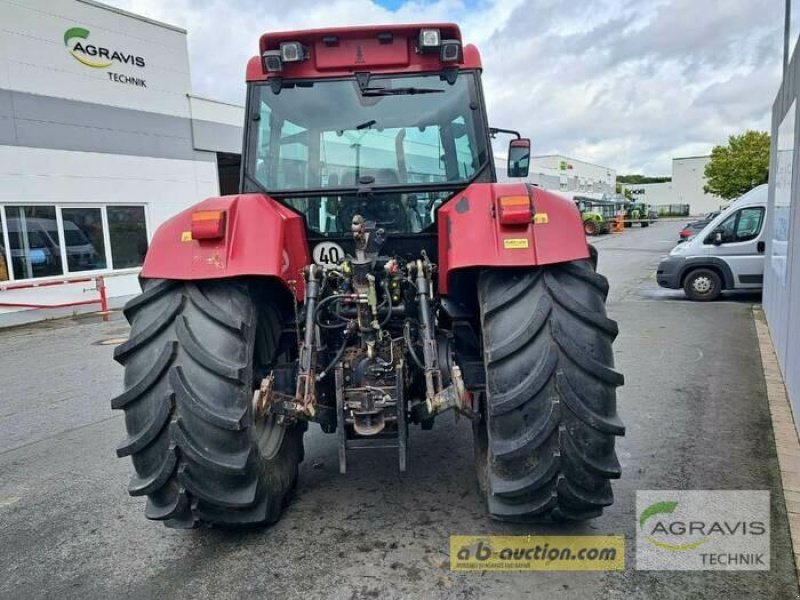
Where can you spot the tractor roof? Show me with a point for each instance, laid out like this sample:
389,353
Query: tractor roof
342,51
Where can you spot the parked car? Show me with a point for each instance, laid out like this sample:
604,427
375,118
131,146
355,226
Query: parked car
726,254
692,227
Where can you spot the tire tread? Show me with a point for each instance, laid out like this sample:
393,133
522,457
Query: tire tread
188,398
551,400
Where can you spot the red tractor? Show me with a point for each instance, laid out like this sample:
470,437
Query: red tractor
372,274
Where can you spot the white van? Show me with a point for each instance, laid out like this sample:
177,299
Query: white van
35,251
727,254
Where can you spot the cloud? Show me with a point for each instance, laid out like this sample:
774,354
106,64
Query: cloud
623,83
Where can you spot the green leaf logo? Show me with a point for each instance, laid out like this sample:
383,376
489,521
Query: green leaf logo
75,32
656,509
660,508
77,51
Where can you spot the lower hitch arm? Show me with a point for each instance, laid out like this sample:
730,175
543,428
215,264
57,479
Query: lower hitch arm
306,377
303,405
437,397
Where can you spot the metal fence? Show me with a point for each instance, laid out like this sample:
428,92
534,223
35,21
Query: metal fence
672,210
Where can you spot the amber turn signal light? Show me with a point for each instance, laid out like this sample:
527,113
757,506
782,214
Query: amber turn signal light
208,224
515,210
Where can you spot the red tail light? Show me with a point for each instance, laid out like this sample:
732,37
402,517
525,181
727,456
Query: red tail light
208,224
515,210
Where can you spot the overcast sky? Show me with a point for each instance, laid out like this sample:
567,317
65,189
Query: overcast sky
623,83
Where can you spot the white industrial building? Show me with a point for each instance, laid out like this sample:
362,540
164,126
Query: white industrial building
688,179
654,194
569,176
782,261
686,187
101,140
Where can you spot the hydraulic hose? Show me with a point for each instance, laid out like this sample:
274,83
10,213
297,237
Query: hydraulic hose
388,299
318,312
337,357
410,346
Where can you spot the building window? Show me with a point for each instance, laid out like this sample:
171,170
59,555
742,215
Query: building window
33,241
128,234
83,239
48,240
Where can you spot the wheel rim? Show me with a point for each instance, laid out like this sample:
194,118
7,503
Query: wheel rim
269,432
270,435
702,284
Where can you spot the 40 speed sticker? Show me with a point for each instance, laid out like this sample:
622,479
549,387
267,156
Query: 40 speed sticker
537,553
328,254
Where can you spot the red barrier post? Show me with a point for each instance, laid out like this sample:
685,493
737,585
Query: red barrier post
101,287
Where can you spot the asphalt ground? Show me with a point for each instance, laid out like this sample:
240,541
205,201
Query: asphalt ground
694,405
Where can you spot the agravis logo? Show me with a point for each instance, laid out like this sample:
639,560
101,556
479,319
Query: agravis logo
702,530
91,55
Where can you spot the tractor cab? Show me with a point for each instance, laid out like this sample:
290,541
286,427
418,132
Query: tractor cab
383,123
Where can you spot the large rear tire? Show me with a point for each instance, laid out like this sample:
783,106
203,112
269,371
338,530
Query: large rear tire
199,453
545,451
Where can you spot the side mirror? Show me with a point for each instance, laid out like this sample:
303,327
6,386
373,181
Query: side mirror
717,238
519,157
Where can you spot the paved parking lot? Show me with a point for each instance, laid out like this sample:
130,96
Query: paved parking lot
694,405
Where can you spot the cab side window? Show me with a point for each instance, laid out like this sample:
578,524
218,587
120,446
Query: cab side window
749,224
742,226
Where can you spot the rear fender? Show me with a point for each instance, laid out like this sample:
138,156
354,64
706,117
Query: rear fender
470,234
262,238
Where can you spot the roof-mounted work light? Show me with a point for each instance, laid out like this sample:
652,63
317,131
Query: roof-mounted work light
292,52
450,51
429,40
272,61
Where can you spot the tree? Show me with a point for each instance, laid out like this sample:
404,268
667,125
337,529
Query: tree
738,167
